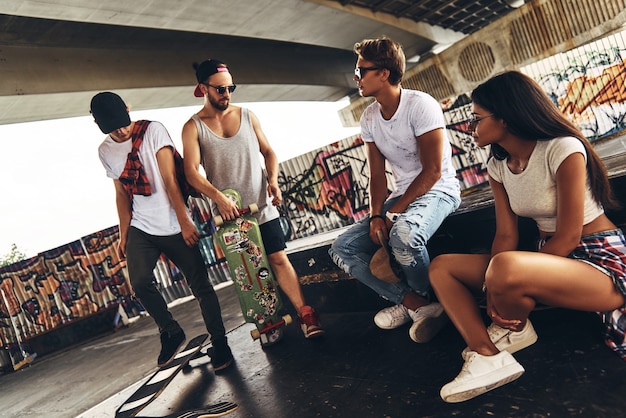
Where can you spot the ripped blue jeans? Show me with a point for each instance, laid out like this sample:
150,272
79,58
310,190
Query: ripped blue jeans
353,250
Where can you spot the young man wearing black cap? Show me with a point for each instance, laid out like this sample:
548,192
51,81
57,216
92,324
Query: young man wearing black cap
227,140
154,220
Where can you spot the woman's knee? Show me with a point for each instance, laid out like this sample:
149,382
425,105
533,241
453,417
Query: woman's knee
439,268
505,272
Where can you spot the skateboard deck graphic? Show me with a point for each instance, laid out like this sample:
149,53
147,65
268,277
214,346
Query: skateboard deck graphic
241,242
153,387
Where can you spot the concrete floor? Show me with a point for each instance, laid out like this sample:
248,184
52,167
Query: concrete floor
356,370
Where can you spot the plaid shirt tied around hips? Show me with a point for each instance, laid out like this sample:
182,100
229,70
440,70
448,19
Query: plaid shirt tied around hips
134,176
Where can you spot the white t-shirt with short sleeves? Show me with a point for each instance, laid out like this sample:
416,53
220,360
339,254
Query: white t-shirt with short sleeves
152,214
532,193
417,114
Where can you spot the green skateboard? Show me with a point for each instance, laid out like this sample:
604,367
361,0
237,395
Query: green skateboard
240,240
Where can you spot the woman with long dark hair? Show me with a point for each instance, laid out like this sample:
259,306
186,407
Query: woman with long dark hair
542,167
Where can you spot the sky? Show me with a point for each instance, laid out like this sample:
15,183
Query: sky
54,189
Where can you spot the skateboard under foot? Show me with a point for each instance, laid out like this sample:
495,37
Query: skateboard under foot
157,383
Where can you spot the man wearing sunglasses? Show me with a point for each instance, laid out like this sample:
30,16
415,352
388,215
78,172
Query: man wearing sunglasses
406,129
227,141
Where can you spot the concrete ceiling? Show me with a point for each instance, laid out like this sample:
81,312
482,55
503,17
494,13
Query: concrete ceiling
55,55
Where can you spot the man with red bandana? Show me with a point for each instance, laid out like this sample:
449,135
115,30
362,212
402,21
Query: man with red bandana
228,141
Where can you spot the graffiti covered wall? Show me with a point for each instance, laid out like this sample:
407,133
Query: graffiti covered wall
328,188
76,280
323,190
588,85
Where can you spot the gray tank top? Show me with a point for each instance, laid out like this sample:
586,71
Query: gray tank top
235,163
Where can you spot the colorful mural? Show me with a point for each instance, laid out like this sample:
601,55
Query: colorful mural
323,190
60,286
468,159
588,85
331,190
76,280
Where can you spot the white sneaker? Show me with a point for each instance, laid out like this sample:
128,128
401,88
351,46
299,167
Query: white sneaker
427,322
392,317
481,374
507,340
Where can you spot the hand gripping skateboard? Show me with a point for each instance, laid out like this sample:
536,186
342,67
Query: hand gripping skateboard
153,387
241,242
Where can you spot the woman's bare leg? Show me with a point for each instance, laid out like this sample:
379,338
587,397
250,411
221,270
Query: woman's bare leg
517,280
456,278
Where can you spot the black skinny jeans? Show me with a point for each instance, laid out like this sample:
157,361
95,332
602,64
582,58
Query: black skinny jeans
142,253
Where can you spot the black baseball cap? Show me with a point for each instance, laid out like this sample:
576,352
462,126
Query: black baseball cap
109,111
205,70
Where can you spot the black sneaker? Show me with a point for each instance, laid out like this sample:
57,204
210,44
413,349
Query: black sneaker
221,356
170,343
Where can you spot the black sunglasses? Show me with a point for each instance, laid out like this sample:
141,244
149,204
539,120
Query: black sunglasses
359,72
222,89
473,121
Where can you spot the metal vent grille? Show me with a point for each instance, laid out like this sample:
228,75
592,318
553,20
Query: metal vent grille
584,15
431,80
476,61
548,24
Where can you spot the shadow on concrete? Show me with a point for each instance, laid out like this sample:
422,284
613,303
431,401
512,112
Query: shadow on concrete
356,370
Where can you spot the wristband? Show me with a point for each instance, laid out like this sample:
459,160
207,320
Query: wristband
376,216
393,217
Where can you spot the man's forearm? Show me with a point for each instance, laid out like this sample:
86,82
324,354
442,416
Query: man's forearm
378,195
124,210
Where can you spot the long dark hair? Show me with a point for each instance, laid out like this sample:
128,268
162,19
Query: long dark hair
528,113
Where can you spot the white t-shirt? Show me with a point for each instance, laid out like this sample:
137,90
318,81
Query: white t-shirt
152,214
417,114
532,193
